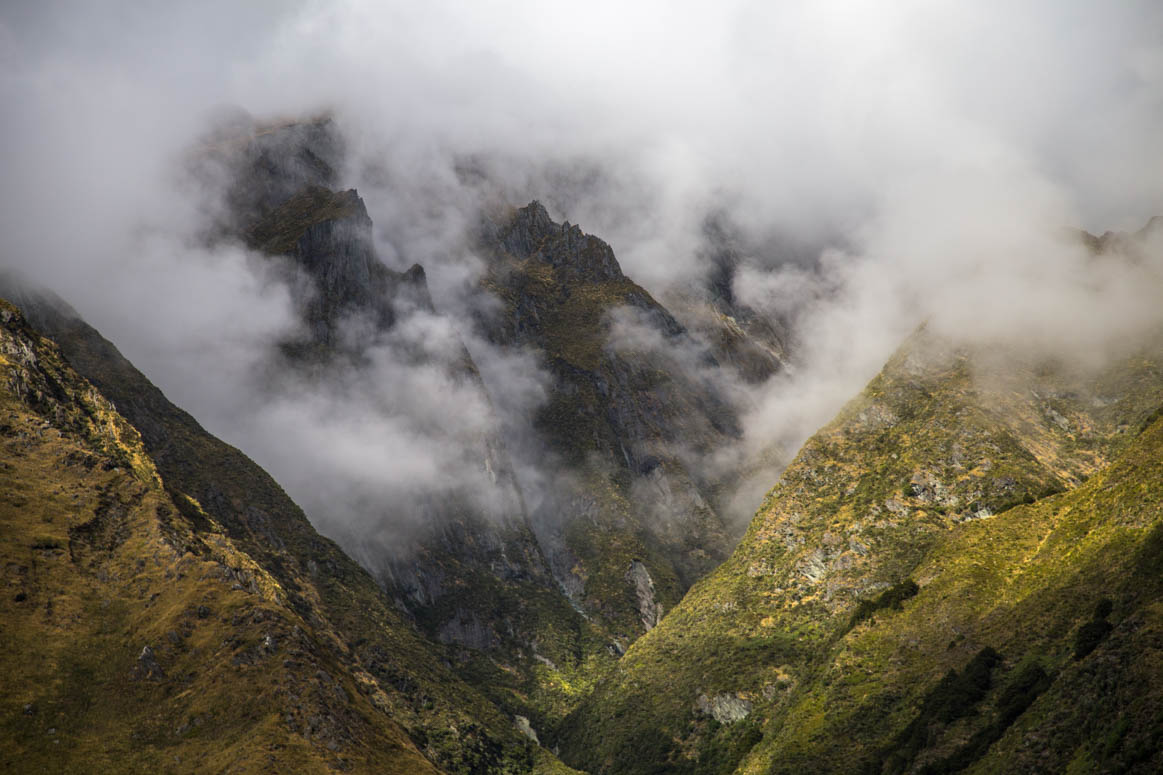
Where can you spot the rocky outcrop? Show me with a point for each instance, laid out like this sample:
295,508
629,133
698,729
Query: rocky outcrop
328,237
460,558
530,233
259,166
147,667
526,729
724,708
648,608
754,344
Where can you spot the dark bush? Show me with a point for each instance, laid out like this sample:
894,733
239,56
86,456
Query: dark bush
955,696
957,693
893,597
726,746
1089,636
1023,688
1103,608
1093,632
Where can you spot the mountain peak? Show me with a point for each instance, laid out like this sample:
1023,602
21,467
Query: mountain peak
527,228
531,233
1154,226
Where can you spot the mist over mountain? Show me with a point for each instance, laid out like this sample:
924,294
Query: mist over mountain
872,165
528,308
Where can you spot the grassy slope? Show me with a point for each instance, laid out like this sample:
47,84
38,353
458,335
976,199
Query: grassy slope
454,725
1022,583
901,476
98,563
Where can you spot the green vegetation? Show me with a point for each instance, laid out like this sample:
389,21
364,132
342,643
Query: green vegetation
946,474
1093,632
905,601
127,652
955,696
722,750
273,650
278,232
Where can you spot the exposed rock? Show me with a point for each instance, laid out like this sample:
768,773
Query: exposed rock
814,566
724,708
624,414
526,729
648,608
531,233
467,629
545,661
147,667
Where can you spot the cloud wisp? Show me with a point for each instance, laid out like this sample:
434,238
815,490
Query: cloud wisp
928,155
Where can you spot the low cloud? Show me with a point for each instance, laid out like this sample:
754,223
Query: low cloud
924,158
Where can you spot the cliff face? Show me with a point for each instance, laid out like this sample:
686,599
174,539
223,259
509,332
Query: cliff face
328,236
756,345
283,204
473,579
630,522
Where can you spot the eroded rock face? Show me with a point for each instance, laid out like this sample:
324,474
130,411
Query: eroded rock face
262,167
755,345
526,729
147,667
327,236
285,202
467,629
724,708
649,608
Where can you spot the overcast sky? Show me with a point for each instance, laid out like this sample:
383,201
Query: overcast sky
793,115
932,147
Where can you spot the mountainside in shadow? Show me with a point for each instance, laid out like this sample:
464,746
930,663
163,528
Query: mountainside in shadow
466,565
169,607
